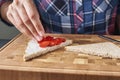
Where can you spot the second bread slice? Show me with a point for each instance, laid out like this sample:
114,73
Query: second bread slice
104,49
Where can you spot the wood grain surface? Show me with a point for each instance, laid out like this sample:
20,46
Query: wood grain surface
65,65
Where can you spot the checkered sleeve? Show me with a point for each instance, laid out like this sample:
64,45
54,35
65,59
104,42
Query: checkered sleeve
118,10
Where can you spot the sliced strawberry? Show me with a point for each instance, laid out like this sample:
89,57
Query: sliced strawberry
52,43
44,44
49,38
58,41
63,39
55,41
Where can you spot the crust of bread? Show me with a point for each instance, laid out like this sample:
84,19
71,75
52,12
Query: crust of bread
103,49
28,56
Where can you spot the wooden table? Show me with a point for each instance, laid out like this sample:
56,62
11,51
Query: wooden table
57,65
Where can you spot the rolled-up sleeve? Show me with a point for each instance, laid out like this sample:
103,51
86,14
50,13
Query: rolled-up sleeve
1,3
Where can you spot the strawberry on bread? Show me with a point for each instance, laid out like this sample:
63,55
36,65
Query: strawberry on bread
50,41
47,44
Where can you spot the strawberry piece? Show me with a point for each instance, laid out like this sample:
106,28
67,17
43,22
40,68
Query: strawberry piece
40,41
48,38
44,44
63,39
52,43
58,41
55,41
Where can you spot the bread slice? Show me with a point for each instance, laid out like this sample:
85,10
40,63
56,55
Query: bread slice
33,49
104,49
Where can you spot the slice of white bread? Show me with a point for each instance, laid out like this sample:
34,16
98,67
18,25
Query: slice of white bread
33,49
104,49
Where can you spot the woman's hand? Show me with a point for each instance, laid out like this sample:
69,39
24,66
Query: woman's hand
24,15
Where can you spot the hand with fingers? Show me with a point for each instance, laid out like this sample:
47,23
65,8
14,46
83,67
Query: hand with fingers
24,15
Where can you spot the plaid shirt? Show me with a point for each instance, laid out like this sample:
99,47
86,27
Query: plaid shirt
78,16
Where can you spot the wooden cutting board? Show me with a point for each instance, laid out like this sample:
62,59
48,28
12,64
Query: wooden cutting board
59,61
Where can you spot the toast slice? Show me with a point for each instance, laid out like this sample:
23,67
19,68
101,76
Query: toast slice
104,49
33,49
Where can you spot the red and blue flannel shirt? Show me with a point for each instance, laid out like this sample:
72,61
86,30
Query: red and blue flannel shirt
78,16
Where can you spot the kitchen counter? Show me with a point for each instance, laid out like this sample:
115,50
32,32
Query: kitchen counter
59,64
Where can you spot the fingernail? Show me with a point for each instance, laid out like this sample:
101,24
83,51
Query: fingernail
40,33
38,38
